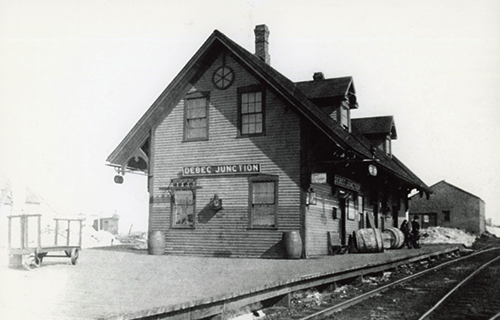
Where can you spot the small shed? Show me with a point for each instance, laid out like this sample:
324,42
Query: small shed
107,224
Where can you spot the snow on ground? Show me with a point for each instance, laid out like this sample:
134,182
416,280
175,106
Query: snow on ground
435,235
493,230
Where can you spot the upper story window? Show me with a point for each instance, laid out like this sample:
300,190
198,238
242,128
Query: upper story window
344,117
251,111
387,146
196,116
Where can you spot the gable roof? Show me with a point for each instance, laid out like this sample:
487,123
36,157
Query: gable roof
328,89
433,187
375,125
289,91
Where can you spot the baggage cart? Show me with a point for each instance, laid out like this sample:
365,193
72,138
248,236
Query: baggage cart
29,253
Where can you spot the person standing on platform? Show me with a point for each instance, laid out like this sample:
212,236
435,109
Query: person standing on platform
415,232
405,228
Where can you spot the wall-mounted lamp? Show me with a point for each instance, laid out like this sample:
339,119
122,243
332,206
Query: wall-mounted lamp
120,173
216,202
311,196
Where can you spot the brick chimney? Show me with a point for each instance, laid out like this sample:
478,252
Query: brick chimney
318,76
262,43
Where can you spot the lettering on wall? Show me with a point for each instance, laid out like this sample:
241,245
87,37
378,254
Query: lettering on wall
221,169
318,178
347,183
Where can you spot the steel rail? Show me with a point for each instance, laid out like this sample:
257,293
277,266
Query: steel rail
337,307
460,284
495,317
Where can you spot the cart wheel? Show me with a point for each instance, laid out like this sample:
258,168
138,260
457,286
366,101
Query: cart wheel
74,255
31,261
68,253
41,256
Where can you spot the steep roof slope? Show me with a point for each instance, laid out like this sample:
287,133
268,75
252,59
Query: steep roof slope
281,85
375,125
323,91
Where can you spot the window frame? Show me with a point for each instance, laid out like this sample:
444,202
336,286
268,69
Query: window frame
257,179
193,96
388,145
446,215
251,89
182,185
344,110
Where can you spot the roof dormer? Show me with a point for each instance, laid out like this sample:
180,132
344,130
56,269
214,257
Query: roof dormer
379,130
335,96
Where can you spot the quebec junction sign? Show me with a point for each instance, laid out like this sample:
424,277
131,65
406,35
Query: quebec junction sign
221,169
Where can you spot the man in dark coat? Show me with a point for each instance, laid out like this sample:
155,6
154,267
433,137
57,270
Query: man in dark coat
405,228
415,232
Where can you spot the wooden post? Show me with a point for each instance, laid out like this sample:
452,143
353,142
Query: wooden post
23,231
80,238
67,233
57,231
9,244
39,238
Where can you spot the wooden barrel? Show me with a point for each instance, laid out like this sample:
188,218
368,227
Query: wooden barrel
393,238
369,240
293,244
156,243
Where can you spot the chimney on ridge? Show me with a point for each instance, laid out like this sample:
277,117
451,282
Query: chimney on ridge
262,43
317,76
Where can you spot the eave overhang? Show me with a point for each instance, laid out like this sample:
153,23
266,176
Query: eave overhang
289,92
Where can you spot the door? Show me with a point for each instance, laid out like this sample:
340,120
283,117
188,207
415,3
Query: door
429,220
395,216
344,203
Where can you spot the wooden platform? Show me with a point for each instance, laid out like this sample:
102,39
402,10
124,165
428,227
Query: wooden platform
124,285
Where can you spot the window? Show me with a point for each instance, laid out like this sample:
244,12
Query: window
388,149
251,116
196,117
359,204
183,208
344,117
446,214
351,213
263,202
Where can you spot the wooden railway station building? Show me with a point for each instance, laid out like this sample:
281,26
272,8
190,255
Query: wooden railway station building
237,154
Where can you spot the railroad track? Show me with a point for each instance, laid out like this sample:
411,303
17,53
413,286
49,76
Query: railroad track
463,288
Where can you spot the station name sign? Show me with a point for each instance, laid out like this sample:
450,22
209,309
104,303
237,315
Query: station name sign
346,183
218,170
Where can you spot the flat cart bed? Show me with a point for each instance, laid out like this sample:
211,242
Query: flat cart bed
32,256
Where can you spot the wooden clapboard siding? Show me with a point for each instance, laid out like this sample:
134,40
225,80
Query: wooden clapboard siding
351,225
226,232
320,221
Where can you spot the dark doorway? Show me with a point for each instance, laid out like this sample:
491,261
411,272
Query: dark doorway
343,218
395,216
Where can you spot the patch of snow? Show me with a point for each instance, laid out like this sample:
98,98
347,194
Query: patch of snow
493,230
439,235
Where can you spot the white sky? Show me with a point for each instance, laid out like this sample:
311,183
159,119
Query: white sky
75,76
